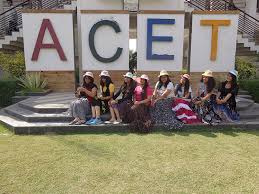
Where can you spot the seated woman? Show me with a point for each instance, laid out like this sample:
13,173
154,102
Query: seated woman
161,111
181,104
85,95
107,90
120,107
204,103
139,116
225,105
201,88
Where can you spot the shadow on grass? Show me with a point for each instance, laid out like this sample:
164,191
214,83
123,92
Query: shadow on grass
203,131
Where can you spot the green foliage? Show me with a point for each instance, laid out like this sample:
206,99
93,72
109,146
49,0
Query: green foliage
13,65
245,69
252,86
7,91
32,83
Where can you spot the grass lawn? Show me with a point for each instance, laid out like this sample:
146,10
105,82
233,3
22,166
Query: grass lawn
195,162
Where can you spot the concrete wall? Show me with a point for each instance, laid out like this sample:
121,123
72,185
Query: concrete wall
161,4
251,8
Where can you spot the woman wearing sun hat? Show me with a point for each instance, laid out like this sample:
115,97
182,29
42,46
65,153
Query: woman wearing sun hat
161,111
204,103
181,105
85,97
184,89
120,107
107,90
139,115
225,105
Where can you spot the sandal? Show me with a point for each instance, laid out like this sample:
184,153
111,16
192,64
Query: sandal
80,122
73,122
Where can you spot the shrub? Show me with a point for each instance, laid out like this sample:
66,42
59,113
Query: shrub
252,86
13,65
32,83
245,70
7,91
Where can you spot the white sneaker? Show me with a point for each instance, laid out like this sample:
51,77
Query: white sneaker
117,122
109,122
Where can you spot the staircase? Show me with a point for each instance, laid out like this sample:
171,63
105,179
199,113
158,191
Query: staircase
248,28
11,33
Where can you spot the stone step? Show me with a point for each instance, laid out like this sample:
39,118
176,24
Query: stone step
246,53
245,96
29,116
34,117
20,127
42,109
243,92
243,49
243,103
251,113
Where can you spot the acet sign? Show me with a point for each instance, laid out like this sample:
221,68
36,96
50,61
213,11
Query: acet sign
104,40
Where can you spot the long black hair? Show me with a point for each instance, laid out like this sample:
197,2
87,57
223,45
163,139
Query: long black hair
160,83
144,90
234,80
210,84
88,85
108,81
186,86
128,88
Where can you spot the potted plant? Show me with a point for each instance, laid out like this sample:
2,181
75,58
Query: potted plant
32,84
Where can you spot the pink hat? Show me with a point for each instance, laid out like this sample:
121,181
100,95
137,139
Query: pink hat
144,76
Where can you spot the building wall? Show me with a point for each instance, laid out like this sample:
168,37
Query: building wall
251,8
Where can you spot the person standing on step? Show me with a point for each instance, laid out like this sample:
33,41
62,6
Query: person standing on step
107,91
162,99
139,114
120,107
85,95
225,105
203,104
181,104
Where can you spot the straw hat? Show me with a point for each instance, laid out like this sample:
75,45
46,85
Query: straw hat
163,73
208,73
104,73
89,74
144,76
187,76
129,75
234,72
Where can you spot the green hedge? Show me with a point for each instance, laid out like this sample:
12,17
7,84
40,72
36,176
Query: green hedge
7,91
252,86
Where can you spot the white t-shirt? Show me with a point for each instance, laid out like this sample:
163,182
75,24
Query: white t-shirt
180,94
170,86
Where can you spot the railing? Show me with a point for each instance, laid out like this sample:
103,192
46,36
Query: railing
11,20
248,25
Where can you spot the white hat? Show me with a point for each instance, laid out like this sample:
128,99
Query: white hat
144,76
208,73
89,74
105,73
129,75
162,73
234,72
